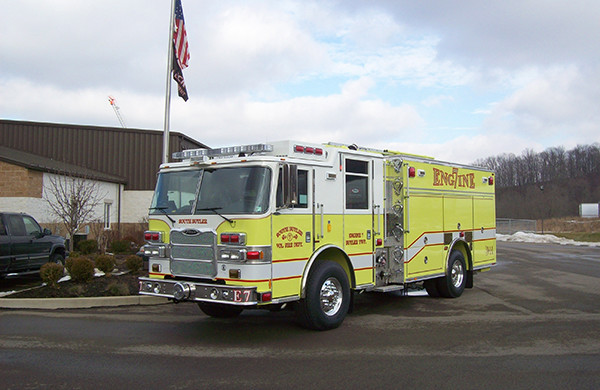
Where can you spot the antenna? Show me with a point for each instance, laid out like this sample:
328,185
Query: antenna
113,103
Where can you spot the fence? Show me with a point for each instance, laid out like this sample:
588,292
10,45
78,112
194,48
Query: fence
511,226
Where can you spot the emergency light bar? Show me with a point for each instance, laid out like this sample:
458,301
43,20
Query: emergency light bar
225,151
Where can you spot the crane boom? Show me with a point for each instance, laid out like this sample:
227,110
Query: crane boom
113,103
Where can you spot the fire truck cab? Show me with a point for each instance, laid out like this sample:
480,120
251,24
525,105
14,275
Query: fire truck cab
266,225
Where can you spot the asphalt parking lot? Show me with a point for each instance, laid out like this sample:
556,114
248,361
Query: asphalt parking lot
531,322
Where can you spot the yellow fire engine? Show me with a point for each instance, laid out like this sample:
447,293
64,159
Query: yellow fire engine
266,225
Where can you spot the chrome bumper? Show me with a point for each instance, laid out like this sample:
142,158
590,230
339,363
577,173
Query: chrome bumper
199,292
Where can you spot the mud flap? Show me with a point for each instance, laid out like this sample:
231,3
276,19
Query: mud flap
469,279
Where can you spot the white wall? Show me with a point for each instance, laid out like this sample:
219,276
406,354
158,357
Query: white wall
36,207
135,205
108,192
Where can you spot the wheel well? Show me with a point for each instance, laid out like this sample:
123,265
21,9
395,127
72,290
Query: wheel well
463,247
60,251
334,254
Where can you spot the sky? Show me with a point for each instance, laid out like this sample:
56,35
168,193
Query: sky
458,81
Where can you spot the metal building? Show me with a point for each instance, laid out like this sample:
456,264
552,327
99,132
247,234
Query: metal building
133,154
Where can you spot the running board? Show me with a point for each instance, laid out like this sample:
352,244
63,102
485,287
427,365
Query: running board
389,288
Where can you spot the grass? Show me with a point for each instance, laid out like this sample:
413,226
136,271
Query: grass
575,228
581,236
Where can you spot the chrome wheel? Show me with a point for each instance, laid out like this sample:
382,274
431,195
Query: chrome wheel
331,296
327,298
458,274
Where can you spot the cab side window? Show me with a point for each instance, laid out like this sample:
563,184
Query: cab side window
16,225
357,184
31,226
302,189
2,228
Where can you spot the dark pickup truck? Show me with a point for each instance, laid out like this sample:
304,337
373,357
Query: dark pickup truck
25,246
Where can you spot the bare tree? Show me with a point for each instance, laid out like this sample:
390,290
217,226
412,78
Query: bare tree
72,200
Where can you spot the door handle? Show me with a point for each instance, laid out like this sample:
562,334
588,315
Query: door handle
322,235
377,230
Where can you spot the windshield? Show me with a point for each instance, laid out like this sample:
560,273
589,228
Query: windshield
175,192
241,190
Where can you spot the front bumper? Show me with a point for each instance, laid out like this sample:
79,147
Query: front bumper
199,292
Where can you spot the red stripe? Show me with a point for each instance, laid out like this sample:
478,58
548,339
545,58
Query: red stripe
360,254
287,278
181,44
288,260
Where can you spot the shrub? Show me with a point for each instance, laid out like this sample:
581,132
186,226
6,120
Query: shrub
117,289
69,263
88,246
120,246
133,263
135,241
81,269
105,263
51,273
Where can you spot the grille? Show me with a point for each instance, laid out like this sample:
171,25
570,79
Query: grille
193,252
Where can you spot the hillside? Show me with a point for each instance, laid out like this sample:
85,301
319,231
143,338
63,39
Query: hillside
554,199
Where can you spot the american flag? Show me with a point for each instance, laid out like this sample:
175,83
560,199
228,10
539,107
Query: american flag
180,37
181,55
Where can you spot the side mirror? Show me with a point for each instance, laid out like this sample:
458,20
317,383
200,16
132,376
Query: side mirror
290,185
47,232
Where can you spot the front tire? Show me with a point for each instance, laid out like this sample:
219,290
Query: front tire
453,284
58,259
219,310
327,298
431,286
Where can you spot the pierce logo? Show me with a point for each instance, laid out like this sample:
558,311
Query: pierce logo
453,179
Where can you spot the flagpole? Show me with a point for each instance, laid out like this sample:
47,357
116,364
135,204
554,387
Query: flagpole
165,156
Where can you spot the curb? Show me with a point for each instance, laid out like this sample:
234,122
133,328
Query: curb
79,303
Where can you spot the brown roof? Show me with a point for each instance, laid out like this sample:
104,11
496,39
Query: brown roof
133,154
37,163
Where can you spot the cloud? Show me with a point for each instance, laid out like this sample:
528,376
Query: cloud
451,80
25,100
553,104
464,149
349,117
245,47
506,34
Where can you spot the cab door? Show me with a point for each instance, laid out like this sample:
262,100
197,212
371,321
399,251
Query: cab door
292,233
19,243
39,244
4,247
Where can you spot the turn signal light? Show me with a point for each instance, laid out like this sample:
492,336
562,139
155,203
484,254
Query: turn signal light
255,255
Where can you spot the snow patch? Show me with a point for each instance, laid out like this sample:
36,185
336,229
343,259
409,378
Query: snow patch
542,239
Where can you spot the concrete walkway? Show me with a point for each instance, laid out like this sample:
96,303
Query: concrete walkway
78,303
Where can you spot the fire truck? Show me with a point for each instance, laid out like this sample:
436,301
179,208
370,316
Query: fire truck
309,225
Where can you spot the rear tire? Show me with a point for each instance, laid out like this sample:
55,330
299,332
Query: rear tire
219,310
327,298
453,284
